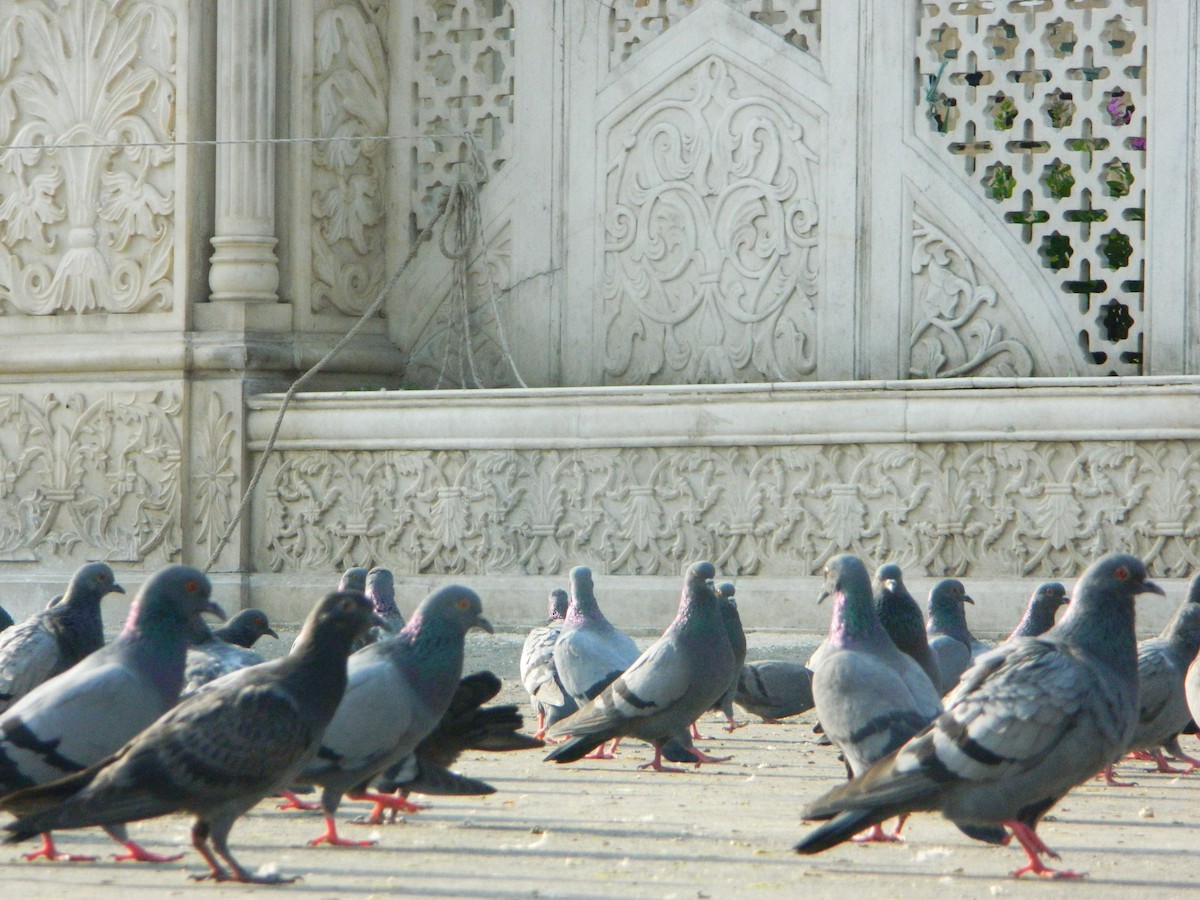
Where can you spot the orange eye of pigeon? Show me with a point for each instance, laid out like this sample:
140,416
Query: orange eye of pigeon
191,587
1121,574
463,604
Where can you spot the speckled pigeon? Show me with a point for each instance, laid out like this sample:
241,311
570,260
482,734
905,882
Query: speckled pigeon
547,696
212,654
950,640
1041,609
869,696
398,691
52,640
902,620
1029,721
773,689
90,710
679,676
217,753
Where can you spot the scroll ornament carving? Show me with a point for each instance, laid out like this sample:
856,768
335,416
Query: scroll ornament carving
86,229
954,329
213,474
1037,509
90,478
349,100
710,258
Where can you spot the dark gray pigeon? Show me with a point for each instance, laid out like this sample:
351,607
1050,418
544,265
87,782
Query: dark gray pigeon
217,753
902,620
52,640
547,696
353,579
6,620
773,689
678,677
211,656
949,638
1043,606
869,697
86,713
398,691
1029,721
245,628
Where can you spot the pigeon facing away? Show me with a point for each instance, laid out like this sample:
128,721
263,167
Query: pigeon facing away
902,620
86,713
1029,721
774,690
949,638
591,652
1040,611
212,656
56,638
677,678
398,691
547,696
381,591
217,753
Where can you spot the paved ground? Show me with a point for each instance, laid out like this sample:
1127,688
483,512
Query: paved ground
604,829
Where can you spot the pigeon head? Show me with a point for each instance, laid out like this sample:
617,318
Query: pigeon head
854,617
354,579
90,583
1043,607
558,601
335,623
583,603
380,588
1050,595
172,597
1113,580
454,608
844,573
246,627
701,573
1100,617
888,576
726,590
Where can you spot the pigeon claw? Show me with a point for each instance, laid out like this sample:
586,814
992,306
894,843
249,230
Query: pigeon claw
291,801
876,835
137,853
332,838
1035,848
50,852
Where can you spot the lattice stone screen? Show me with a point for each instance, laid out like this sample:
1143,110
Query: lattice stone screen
1042,102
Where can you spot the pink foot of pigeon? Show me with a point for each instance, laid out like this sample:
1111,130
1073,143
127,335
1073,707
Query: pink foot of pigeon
731,725
696,736
393,803
135,852
1110,778
599,752
1143,755
1161,765
331,837
876,835
702,757
657,765
50,852
291,801
1035,848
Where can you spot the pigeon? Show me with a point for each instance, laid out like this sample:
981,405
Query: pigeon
56,638
245,628
774,690
353,579
678,677
81,716
6,619
1162,704
1040,611
902,620
1029,721
737,640
381,591
218,752
547,696
212,656
949,638
397,693
869,696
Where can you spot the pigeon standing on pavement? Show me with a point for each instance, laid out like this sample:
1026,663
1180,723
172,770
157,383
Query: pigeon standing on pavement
1029,721
217,753
547,696
52,640
86,713
678,677
1043,606
398,691
214,653
737,640
902,620
950,640
773,689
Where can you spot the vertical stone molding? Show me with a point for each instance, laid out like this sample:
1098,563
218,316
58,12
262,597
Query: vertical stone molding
244,264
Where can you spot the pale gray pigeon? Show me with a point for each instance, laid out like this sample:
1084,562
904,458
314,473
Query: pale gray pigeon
398,691
590,652
950,640
773,689
1029,721
212,656
81,716
217,753
678,677
1041,609
869,696
902,620
547,696
52,640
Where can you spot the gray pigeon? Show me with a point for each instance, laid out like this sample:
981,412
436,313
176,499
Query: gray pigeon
869,697
245,628
774,690
949,638
210,657
678,677
902,620
86,713
737,640
1043,606
353,579
1029,721
547,696
381,591
217,753
398,691
56,638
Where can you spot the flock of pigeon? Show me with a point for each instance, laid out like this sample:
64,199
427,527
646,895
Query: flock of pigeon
174,716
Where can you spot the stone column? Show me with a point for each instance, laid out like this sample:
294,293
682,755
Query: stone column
244,265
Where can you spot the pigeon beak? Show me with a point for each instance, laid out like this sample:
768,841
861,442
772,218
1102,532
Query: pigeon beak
967,599
1149,587
890,584
117,589
484,624
377,621
825,592
271,632
213,608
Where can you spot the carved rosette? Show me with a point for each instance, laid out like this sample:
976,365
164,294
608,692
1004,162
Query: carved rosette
711,232
959,509
957,319
350,97
86,478
87,229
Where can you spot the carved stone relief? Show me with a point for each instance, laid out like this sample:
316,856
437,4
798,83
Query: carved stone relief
86,229
711,234
90,477
1037,509
213,475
